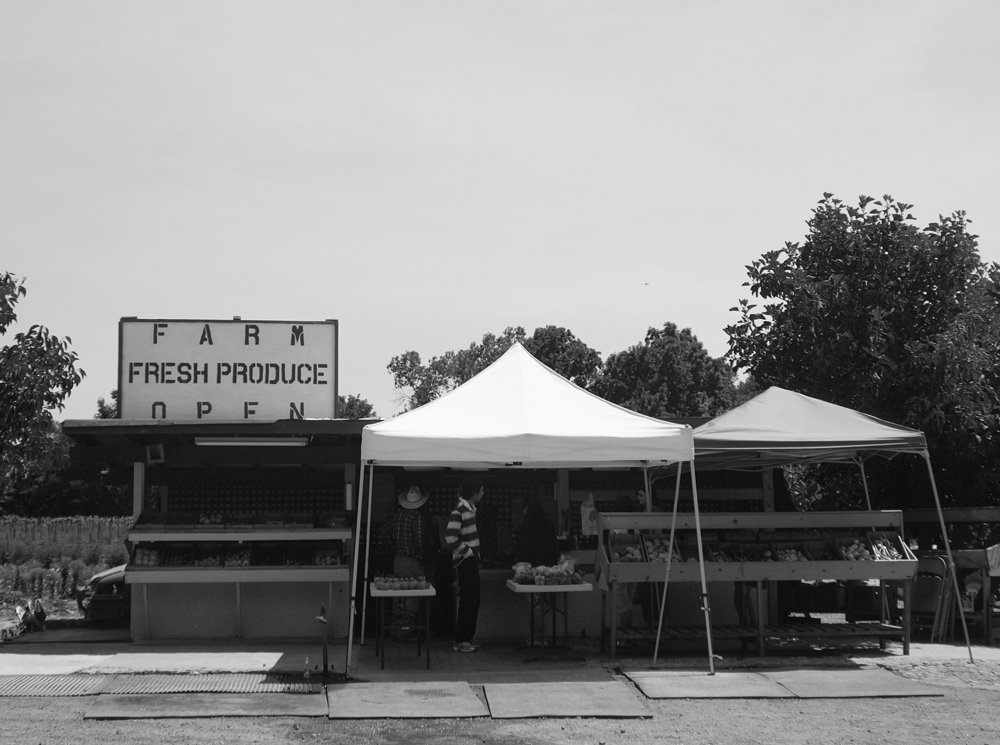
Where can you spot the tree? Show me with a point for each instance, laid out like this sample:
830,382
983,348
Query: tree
669,375
107,410
563,352
554,346
37,373
873,313
354,407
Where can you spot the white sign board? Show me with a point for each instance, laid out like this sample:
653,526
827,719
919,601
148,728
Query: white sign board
214,370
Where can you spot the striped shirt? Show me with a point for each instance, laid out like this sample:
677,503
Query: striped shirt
462,534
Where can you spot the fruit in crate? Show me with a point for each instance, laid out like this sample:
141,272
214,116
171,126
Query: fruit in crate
238,558
790,554
856,551
146,557
206,561
659,551
628,554
327,558
177,558
210,518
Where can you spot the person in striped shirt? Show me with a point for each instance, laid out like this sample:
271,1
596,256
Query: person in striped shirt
462,536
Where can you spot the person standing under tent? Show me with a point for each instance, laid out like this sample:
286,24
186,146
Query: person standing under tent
537,545
536,536
462,537
410,535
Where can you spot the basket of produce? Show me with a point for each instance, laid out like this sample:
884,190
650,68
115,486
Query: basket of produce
209,520
145,556
888,546
269,520
625,548
658,549
853,549
326,557
178,555
268,555
299,520
332,520
787,552
563,573
237,558
240,521
208,555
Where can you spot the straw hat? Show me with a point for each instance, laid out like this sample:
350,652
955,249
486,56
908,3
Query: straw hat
413,498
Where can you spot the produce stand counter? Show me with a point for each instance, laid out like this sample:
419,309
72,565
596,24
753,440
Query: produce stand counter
745,547
239,579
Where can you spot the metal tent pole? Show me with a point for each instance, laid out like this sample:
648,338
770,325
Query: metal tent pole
368,549
354,573
947,549
670,557
649,494
864,480
704,582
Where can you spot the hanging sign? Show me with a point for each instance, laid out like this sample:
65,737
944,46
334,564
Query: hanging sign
214,370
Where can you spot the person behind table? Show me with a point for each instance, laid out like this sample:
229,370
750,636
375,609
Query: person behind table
411,537
536,536
462,537
536,544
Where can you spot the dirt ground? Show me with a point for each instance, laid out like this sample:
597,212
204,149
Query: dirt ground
967,713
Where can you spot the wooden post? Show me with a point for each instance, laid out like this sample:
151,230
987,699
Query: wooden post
138,488
562,499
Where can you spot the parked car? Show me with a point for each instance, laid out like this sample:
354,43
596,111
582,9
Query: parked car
105,598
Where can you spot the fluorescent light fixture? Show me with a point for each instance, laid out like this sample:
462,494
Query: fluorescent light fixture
252,441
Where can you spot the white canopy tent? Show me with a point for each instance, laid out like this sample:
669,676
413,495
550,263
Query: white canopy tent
518,413
780,427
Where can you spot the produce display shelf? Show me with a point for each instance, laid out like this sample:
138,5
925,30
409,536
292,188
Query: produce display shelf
628,634
201,575
255,534
751,571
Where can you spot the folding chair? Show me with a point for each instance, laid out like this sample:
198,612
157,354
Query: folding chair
929,600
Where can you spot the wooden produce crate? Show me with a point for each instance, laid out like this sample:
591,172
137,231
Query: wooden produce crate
269,520
240,521
268,554
788,551
300,520
329,554
889,546
210,520
178,555
181,520
625,548
655,548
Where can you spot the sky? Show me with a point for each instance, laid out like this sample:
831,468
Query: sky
429,172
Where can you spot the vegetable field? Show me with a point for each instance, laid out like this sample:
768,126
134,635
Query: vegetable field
49,558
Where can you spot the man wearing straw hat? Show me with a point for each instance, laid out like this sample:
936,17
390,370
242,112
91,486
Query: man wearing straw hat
411,537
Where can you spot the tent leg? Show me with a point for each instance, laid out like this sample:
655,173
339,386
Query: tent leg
704,582
864,481
670,556
354,576
947,548
368,548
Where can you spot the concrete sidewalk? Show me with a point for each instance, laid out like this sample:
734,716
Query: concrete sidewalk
498,661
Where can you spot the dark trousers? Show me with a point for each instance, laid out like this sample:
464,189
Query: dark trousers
468,600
